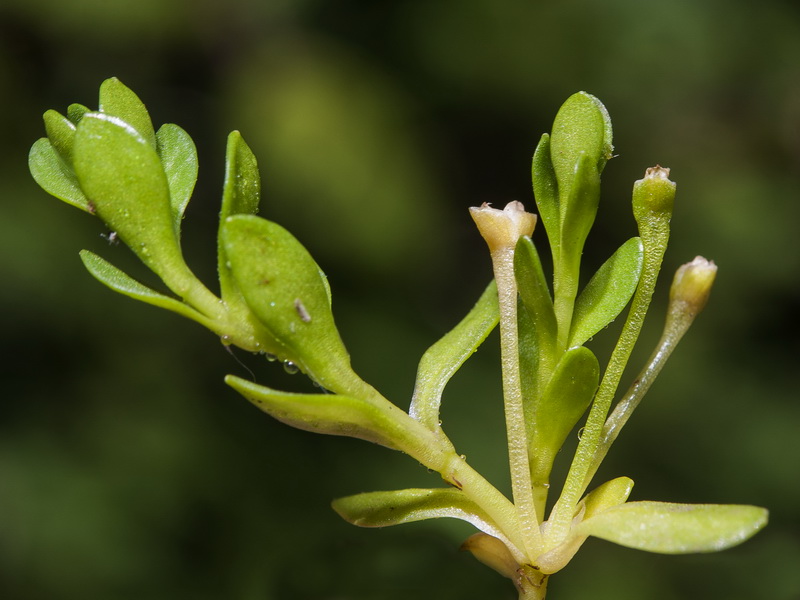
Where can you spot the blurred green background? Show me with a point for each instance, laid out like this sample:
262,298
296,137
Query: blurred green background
128,470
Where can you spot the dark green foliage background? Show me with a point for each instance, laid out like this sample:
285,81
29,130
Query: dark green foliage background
129,471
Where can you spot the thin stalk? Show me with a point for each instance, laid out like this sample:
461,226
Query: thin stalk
502,230
521,485
576,483
628,403
495,504
688,296
653,198
185,284
434,450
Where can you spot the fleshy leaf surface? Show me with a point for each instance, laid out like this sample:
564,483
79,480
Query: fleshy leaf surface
670,528
241,194
285,288
123,178
121,282
76,111
545,190
179,159
54,177
118,100
611,493
382,509
242,188
579,209
535,296
608,292
565,399
369,417
61,133
442,360
582,127
331,414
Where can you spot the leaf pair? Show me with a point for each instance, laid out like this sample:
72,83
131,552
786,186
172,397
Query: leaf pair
112,163
289,295
661,527
566,172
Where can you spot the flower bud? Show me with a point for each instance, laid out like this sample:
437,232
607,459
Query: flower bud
692,286
654,193
503,228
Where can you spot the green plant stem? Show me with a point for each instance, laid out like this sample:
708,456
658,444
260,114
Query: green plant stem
503,264
576,482
435,451
191,290
495,504
624,409
532,585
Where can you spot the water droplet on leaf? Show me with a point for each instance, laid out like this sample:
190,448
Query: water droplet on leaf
290,367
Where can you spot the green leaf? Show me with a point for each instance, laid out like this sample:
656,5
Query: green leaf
566,398
331,414
121,282
545,190
611,493
535,296
382,509
123,178
242,188
579,208
179,158
675,528
287,291
368,417
54,177
75,112
442,360
61,133
608,292
582,127
119,101
241,195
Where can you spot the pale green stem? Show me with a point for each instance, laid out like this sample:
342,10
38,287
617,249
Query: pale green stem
576,482
532,585
496,505
503,263
191,290
434,450
673,333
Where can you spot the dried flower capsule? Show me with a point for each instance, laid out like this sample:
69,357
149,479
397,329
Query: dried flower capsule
503,228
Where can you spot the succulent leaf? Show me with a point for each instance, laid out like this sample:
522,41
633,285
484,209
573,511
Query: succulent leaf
608,292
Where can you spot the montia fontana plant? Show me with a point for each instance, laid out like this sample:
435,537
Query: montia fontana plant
274,299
